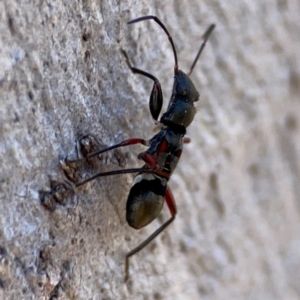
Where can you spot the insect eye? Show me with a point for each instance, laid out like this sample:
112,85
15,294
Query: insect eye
181,89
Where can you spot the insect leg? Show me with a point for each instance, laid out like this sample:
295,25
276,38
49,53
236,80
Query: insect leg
172,207
116,172
128,142
186,140
149,159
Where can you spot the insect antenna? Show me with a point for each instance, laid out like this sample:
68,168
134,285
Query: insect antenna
205,38
165,30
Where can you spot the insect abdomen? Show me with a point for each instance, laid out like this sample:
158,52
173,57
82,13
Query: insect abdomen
145,200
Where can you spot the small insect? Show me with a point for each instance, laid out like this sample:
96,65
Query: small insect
150,188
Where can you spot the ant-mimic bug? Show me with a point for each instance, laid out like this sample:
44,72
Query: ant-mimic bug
150,189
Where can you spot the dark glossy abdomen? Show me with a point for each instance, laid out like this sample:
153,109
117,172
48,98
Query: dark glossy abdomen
145,200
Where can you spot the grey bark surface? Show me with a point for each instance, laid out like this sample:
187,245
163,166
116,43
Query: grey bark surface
62,76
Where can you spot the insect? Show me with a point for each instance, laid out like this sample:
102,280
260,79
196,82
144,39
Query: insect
150,188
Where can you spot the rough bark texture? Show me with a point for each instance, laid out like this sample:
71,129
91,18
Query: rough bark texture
62,75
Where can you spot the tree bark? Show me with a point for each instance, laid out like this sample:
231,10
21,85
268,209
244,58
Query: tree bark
63,77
